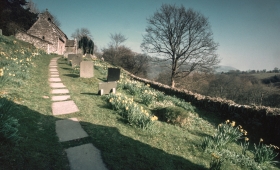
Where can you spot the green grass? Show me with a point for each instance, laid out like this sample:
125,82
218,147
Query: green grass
122,146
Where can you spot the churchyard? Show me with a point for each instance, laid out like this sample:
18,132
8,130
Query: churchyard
136,127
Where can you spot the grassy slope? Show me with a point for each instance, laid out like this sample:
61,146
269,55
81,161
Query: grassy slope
39,147
122,146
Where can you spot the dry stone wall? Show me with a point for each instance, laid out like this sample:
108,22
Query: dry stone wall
260,121
37,42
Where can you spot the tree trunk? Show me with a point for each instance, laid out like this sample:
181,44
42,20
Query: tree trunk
172,80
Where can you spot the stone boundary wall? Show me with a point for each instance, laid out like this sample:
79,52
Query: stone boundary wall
37,42
262,122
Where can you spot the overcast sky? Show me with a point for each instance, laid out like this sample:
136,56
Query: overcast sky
248,31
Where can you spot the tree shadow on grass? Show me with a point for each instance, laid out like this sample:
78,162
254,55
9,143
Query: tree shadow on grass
66,68
123,153
95,94
38,147
103,79
72,75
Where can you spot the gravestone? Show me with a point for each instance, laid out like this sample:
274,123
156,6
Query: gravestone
70,57
86,69
113,74
0,32
107,87
88,56
75,59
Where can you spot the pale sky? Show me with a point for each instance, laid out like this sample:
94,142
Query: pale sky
248,31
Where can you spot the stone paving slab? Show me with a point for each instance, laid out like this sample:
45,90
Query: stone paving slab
85,157
60,98
59,91
57,85
69,129
53,69
54,72
65,107
54,75
55,79
53,66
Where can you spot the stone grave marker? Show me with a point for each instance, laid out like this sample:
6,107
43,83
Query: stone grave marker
0,32
71,56
113,74
107,87
77,60
88,56
86,69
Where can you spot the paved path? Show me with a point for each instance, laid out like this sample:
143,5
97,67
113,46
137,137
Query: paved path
83,157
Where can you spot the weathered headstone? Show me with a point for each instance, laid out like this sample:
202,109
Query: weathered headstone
70,57
113,74
107,87
88,56
86,69
77,60
0,32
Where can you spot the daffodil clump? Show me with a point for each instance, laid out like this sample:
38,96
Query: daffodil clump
228,132
100,66
136,115
148,96
16,60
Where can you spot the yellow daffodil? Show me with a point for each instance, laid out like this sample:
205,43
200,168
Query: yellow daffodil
154,118
215,156
261,140
233,123
227,121
246,139
1,72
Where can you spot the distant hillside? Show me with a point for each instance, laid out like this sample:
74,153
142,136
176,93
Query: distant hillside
223,68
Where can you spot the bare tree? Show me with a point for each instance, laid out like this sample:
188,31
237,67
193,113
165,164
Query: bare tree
117,40
83,32
32,7
115,50
184,38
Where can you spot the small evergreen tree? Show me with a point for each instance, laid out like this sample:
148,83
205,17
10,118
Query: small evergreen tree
86,44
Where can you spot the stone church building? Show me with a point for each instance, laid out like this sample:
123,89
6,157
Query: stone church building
44,34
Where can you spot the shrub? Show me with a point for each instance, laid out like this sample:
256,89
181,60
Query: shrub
136,115
226,133
173,115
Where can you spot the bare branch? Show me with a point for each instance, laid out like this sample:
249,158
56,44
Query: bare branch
184,37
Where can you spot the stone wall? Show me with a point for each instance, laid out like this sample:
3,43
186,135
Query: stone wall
259,121
37,42
44,29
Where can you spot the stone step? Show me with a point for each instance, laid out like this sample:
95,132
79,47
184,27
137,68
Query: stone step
57,85
85,157
64,107
54,72
60,98
60,91
69,129
53,69
55,79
